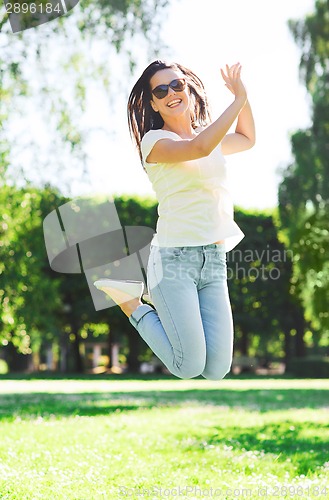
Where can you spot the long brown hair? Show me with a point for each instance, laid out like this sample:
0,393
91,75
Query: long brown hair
142,117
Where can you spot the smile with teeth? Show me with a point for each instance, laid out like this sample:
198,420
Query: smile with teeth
174,103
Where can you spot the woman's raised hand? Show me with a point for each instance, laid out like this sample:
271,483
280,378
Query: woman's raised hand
233,81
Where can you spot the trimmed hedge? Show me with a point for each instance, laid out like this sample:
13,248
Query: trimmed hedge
309,367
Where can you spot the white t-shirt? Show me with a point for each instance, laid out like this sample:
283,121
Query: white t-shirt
195,206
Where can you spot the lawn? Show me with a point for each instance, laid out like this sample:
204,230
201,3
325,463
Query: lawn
115,437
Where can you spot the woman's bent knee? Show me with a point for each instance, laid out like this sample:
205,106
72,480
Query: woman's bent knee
217,373
187,372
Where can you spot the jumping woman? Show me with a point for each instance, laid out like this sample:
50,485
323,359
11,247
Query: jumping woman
190,327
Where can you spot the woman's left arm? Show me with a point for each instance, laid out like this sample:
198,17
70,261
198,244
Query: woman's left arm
244,136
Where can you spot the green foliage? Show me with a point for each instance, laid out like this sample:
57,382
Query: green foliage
259,274
52,74
3,367
137,210
37,304
304,191
309,367
48,74
40,306
25,282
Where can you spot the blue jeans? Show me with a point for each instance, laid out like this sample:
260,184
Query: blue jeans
191,329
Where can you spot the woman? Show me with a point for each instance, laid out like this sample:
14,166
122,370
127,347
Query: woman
191,328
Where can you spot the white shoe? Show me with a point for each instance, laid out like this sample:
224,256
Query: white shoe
147,299
120,290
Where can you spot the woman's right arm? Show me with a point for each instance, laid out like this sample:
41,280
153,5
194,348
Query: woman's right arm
175,151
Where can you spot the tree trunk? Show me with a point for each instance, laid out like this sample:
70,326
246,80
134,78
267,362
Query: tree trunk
287,346
17,362
300,348
78,361
132,361
109,349
244,343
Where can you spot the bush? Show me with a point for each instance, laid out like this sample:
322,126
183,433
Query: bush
309,367
3,367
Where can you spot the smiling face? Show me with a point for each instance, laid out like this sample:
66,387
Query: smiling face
174,104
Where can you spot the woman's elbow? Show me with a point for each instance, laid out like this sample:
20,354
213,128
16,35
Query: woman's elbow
251,142
201,150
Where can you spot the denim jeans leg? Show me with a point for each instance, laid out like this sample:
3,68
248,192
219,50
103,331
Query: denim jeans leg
217,322
174,331
216,313
191,329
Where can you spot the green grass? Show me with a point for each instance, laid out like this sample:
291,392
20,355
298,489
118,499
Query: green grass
112,438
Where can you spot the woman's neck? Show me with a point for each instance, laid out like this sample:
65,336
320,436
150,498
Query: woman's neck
183,129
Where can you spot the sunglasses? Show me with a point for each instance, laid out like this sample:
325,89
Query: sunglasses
178,85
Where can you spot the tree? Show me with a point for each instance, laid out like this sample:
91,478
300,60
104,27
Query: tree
40,307
49,71
304,190
266,316
28,294
47,74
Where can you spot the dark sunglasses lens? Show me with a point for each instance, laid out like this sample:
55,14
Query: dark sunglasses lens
160,91
177,85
